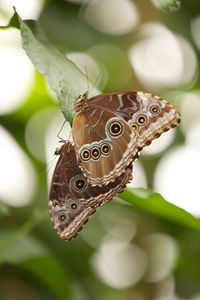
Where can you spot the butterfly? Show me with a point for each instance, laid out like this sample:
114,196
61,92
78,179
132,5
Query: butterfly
72,198
110,130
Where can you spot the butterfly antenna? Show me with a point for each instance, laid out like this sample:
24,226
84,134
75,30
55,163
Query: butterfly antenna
87,77
58,135
48,166
96,80
70,135
67,95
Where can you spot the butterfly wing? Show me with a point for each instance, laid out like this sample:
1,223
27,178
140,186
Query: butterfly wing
105,144
147,114
72,199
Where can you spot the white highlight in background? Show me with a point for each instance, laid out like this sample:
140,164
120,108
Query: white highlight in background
17,73
139,177
156,57
189,109
17,176
161,251
123,227
36,131
115,17
190,63
26,9
193,136
177,178
161,59
160,144
119,264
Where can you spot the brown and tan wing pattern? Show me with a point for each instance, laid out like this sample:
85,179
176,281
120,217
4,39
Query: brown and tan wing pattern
105,144
148,115
72,198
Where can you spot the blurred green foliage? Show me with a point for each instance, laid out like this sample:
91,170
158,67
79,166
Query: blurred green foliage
35,264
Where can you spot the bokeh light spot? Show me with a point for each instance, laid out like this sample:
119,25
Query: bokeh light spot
193,135
26,9
36,131
160,144
161,251
17,176
124,226
156,58
161,59
166,289
119,264
190,66
139,177
189,109
16,76
115,17
177,178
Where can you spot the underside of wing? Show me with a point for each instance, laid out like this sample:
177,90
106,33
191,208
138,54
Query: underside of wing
105,144
155,117
68,214
72,198
124,104
148,115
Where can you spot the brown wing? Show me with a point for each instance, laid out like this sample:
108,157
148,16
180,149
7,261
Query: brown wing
148,115
72,199
105,144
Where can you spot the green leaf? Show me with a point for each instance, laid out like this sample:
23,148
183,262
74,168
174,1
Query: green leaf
50,271
14,22
24,248
65,79
155,204
4,209
167,5
11,238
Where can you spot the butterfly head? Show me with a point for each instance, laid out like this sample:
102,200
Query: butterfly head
66,147
81,102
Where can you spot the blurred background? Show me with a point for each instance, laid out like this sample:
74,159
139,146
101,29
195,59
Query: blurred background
123,252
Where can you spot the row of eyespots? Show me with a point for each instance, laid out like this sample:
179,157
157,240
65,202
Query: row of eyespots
95,152
141,119
62,215
78,183
115,129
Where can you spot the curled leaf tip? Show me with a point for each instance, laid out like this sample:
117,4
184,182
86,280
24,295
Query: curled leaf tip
14,21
